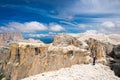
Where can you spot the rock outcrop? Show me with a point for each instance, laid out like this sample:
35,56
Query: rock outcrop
26,59
4,58
97,49
7,38
117,52
16,62
66,40
115,62
29,57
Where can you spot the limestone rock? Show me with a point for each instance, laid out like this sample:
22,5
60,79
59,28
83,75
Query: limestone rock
116,68
7,38
117,51
14,52
97,48
66,40
108,48
115,63
30,57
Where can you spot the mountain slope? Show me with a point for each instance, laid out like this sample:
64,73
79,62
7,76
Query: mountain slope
78,72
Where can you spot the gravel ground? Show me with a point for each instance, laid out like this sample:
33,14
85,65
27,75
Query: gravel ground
78,72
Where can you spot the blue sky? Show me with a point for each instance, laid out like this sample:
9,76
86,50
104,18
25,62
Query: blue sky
41,18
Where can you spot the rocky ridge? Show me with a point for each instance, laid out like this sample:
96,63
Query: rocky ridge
29,57
105,38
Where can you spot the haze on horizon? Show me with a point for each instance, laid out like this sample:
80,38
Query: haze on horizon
41,18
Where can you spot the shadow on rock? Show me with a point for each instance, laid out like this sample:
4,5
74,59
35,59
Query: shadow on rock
115,63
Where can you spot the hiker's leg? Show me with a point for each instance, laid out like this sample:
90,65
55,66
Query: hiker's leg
94,63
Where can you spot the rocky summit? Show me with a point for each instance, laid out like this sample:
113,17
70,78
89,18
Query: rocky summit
24,58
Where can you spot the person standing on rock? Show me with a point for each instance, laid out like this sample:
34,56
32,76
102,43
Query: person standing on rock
94,60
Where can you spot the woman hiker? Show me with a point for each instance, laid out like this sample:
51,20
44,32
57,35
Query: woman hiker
94,60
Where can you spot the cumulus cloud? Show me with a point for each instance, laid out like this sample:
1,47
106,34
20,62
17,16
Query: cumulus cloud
25,27
56,27
108,24
33,26
109,27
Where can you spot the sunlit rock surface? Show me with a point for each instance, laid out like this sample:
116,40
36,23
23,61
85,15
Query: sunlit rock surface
25,58
78,72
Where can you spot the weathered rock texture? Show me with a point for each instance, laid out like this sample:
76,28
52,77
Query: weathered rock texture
4,58
26,60
78,72
115,62
97,49
7,38
117,51
23,59
66,40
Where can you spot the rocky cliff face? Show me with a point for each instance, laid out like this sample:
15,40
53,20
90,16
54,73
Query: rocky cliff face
97,49
7,38
4,58
23,59
115,61
26,60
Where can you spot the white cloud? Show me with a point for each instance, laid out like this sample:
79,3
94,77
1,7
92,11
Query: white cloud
25,27
108,24
109,8
6,29
94,6
68,23
109,27
33,26
87,28
56,27
91,31
81,25
84,26
37,35
50,34
104,19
